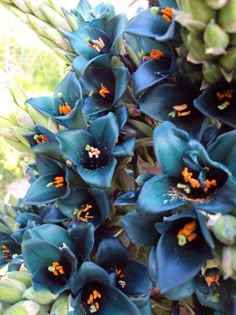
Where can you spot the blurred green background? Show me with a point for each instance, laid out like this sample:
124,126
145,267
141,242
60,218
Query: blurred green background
25,59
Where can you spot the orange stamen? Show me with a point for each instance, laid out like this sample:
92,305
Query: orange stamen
209,184
167,14
181,110
58,182
40,138
188,178
103,91
154,54
64,109
5,249
188,231
212,279
56,268
92,301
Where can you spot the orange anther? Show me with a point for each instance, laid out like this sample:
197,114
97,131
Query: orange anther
103,91
155,54
40,138
167,14
64,109
212,279
188,178
209,184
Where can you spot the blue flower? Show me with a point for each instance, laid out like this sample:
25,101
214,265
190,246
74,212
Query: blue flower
93,293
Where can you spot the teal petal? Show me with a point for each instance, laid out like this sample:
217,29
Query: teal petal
122,78
183,291
43,104
156,196
150,73
170,143
40,193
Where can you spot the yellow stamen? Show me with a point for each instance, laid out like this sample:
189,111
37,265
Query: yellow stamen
212,279
40,138
84,211
187,233
64,109
56,268
103,91
58,182
167,14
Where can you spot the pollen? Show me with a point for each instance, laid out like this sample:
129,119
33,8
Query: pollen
64,109
120,277
212,279
180,110
103,91
92,151
40,138
92,301
187,233
188,178
83,214
56,268
167,14
58,182
97,44
154,54
209,184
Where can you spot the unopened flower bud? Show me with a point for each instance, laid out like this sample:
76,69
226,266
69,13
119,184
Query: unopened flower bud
61,305
228,61
223,228
42,297
203,12
11,290
196,45
216,39
227,17
211,72
24,307
216,4
22,276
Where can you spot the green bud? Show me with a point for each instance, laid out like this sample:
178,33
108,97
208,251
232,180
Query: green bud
233,39
23,308
227,17
21,5
223,228
60,306
196,45
35,8
42,297
38,118
211,72
228,261
216,4
228,61
24,277
216,39
55,18
11,290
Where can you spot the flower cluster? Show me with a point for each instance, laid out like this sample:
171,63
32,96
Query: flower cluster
133,192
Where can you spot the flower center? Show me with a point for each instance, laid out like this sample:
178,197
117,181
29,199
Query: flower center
103,91
92,152
154,54
83,213
180,111
96,44
93,301
187,233
212,279
6,254
40,138
63,108
56,269
167,14
194,183
224,98
58,182
120,277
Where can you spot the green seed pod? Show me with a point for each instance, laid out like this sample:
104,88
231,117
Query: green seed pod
228,61
216,4
198,10
215,38
227,17
211,72
224,229
196,45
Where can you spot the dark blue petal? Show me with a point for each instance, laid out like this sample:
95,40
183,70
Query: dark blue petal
144,304
181,292
140,228
156,196
170,143
111,252
125,149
